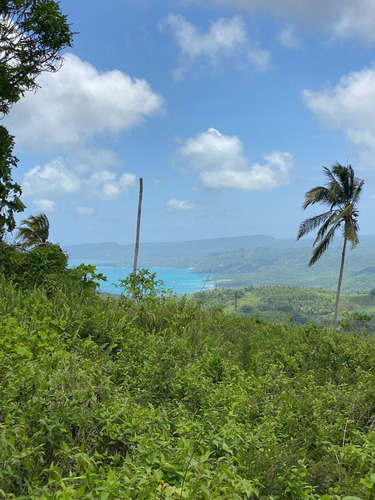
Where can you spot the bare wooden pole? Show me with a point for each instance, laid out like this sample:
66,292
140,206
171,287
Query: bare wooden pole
235,300
136,249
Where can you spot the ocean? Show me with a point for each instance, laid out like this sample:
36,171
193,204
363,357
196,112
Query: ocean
181,281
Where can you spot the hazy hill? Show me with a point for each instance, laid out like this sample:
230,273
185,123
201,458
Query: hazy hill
173,252
247,260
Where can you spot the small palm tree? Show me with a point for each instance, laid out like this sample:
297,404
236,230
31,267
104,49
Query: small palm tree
33,231
341,196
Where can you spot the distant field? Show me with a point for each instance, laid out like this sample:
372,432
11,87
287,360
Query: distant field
302,305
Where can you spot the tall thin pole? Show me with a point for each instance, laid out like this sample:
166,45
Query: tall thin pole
136,249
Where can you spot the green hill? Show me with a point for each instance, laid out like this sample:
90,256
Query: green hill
274,267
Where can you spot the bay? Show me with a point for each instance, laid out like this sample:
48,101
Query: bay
180,280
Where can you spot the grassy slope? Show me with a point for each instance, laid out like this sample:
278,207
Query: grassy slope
103,398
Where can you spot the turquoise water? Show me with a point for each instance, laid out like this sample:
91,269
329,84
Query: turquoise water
181,281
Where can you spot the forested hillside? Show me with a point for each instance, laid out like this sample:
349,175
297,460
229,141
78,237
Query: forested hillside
109,398
301,305
272,267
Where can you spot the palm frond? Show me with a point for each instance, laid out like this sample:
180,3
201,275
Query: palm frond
357,190
319,194
331,221
33,231
322,247
344,213
333,184
311,223
351,229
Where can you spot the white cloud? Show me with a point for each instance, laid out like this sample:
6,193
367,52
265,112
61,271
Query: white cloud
44,205
349,106
220,163
53,179
85,210
287,37
77,103
175,205
104,185
58,179
338,18
226,38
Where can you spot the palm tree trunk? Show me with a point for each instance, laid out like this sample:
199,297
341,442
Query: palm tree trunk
339,283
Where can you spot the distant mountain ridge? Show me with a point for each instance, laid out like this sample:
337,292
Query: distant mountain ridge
168,252
172,253
259,260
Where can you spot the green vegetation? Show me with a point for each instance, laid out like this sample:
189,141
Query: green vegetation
33,231
45,267
341,197
147,396
288,303
32,35
277,267
142,284
10,191
109,398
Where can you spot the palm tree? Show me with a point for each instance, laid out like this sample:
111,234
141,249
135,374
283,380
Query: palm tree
341,196
33,231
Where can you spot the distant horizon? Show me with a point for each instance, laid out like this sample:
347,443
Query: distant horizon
206,239
178,240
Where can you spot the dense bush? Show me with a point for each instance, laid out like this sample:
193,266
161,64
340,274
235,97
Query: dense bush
160,398
45,267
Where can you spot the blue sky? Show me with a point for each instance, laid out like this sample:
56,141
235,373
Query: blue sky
227,109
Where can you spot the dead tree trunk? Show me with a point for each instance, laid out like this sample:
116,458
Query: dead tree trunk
136,249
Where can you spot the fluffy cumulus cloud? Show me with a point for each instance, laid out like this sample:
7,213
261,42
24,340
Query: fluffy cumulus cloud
104,184
339,18
79,102
175,205
226,38
349,106
53,179
220,163
58,179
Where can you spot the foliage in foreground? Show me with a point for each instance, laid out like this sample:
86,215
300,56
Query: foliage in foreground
108,398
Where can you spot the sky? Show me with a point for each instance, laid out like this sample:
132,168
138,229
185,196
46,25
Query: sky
228,110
